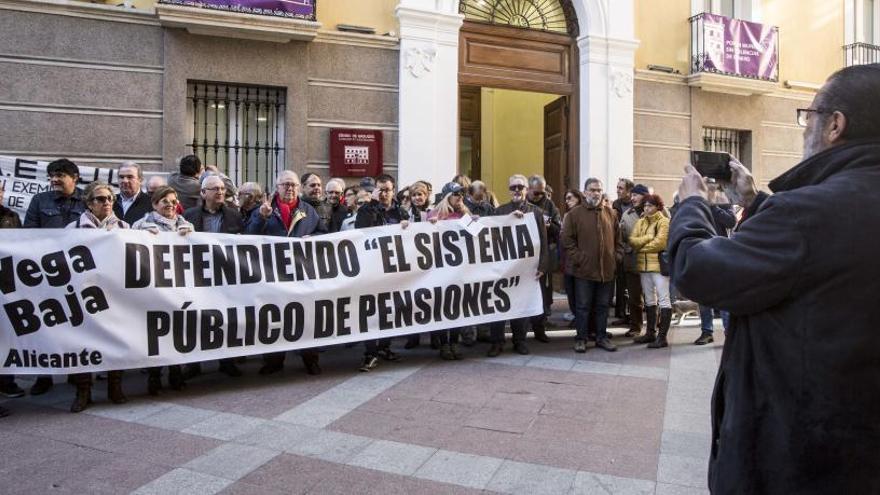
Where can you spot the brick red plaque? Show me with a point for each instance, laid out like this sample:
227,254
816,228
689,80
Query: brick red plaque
355,152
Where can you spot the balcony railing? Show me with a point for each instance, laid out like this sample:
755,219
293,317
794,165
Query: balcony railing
861,54
733,47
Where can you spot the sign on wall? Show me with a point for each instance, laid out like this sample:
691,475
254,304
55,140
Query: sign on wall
741,48
355,152
300,9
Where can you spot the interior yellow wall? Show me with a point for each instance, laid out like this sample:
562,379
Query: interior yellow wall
378,14
512,136
811,37
663,29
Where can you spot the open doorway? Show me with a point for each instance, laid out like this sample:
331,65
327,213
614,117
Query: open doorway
504,132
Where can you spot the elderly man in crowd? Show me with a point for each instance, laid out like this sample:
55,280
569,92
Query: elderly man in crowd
214,215
154,183
589,236
250,197
313,194
131,203
795,407
54,210
539,197
338,209
286,215
186,182
518,206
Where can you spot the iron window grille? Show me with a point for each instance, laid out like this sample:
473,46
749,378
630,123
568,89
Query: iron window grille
860,54
238,128
733,141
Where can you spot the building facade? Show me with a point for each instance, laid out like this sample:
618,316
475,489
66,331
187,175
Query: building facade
567,88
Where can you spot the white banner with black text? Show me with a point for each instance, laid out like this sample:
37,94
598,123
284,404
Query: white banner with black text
91,300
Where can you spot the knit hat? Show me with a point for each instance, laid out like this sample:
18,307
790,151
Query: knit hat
641,189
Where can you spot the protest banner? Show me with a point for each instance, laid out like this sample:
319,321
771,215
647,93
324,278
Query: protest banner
18,193
92,300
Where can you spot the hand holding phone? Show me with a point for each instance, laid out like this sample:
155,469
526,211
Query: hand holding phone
713,165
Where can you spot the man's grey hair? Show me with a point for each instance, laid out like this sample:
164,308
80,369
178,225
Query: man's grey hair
131,164
518,177
208,178
537,180
592,180
337,181
285,173
254,188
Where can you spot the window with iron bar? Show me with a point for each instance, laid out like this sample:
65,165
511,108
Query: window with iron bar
733,141
239,128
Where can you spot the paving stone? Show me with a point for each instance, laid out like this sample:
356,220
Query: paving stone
531,479
481,442
678,470
184,482
459,469
551,363
166,448
224,426
594,484
276,435
667,489
176,417
688,422
392,457
316,415
686,444
597,367
644,372
132,411
231,461
331,446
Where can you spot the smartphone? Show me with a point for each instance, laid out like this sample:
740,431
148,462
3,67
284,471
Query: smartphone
712,165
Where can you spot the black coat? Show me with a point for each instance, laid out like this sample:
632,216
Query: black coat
554,226
373,214
51,210
796,407
231,222
526,207
141,206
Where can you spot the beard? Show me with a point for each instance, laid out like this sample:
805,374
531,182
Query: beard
814,141
594,202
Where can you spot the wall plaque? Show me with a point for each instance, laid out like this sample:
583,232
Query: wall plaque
355,152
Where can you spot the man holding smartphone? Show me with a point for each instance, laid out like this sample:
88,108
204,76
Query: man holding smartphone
796,407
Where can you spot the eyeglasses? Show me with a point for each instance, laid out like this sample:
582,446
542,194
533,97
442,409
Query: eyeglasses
169,202
334,193
803,114
517,187
288,185
102,199
215,189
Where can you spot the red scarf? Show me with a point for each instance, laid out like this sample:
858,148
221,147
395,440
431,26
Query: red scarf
286,210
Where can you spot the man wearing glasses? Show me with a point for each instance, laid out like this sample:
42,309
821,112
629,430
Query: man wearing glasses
285,215
215,216
537,196
795,407
519,207
54,210
338,208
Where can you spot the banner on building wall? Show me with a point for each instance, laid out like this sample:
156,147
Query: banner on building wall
24,178
300,9
742,48
91,300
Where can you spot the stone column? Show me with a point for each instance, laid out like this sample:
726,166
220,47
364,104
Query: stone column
428,100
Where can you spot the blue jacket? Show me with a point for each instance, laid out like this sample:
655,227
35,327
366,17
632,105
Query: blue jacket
309,223
51,210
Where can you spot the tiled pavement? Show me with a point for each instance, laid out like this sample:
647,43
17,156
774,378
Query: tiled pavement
555,422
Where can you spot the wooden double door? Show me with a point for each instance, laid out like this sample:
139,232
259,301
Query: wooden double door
524,60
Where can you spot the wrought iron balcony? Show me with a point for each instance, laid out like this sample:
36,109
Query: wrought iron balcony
861,54
733,47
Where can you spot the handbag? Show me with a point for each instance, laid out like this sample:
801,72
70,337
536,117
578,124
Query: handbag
662,256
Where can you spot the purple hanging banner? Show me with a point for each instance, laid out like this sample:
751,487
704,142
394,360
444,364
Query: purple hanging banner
300,9
741,48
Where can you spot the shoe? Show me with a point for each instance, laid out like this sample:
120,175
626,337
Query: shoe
520,348
580,346
606,344
665,320
370,362
311,362
42,385
175,378
435,342
705,338
83,398
469,337
230,370
388,355
11,390
541,336
631,333
457,355
651,312
412,341
192,370
446,353
270,368
494,350
114,388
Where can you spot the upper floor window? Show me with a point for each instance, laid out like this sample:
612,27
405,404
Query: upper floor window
545,15
746,10
863,24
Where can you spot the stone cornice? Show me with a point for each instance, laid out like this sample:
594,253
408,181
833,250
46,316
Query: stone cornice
213,22
425,25
732,85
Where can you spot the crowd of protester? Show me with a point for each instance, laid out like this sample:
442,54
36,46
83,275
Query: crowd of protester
590,247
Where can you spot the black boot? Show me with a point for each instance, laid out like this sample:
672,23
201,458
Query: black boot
154,380
651,315
175,377
192,370
114,388
83,395
665,320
